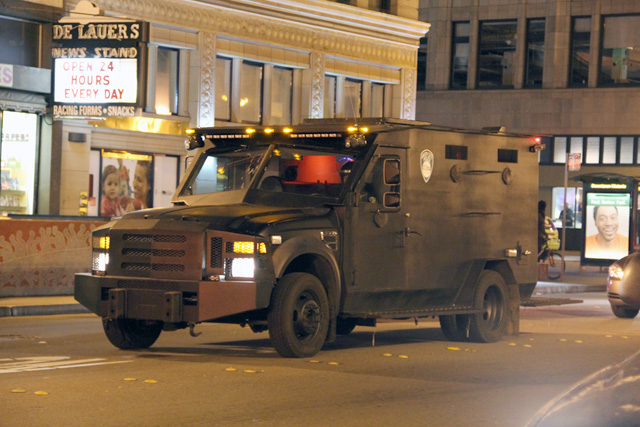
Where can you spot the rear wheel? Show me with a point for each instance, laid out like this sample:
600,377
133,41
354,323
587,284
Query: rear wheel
624,312
299,316
131,334
492,298
455,327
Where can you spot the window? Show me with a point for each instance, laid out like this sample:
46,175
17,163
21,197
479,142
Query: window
223,89
281,95
422,63
329,97
576,145
496,54
609,150
580,48
377,100
166,90
460,55
574,206
20,41
593,150
383,6
560,149
250,93
620,51
352,98
535,53
626,150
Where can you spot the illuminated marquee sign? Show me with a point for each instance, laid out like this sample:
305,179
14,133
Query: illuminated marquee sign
97,68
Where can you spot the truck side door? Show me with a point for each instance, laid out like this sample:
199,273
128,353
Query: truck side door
376,250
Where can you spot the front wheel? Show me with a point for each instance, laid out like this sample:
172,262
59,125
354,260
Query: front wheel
556,265
492,297
299,316
624,312
131,334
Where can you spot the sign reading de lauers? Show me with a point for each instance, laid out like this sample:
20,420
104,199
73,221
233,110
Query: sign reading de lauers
96,68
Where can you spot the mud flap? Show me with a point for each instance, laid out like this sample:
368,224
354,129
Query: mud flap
513,323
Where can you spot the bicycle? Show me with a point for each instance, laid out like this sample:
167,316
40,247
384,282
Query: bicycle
554,259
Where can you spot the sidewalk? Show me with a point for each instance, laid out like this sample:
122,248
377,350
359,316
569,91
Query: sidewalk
575,280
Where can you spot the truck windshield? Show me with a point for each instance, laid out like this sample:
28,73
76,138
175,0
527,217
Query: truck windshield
289,170
306,172
221,172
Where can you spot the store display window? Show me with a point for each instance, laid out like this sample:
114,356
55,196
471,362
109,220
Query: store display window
18,149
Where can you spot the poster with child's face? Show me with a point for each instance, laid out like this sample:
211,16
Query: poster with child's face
607,225
126,181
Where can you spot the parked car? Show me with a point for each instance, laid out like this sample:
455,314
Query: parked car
623,286
609,397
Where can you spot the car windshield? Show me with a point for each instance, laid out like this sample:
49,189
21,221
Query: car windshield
220,172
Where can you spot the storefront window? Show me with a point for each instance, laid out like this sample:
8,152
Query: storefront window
167,81
580,48
560,149
422,63
609,150
496,54
460,57
620,51
329,97
352,98
223,88
18,148
593,150
250,93
281,95
535,52
20,41
574,207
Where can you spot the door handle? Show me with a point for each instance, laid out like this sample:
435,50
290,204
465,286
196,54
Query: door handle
408,231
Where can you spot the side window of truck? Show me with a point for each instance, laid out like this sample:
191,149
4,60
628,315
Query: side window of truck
382,186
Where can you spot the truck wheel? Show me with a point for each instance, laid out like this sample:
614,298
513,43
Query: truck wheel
624,312
493,299
130,334
299,316
345,326
455,327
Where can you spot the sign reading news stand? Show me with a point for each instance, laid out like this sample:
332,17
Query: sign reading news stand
97,68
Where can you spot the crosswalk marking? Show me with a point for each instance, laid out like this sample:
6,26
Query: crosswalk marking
28,364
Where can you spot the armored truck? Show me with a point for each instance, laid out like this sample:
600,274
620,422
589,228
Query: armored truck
311,230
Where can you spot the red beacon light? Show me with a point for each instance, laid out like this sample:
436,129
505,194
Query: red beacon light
537,146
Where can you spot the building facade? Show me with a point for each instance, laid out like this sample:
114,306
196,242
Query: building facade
207,63
568,70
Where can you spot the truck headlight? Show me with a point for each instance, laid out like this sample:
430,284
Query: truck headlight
242,268
100,253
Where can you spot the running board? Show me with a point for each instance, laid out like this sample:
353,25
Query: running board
541,302
407,314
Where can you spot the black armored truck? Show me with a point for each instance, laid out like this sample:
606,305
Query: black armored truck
309,231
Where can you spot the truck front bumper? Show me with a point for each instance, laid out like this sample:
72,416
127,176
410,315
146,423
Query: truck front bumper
170,301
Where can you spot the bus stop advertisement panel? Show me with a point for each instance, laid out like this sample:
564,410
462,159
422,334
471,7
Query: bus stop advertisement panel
608,222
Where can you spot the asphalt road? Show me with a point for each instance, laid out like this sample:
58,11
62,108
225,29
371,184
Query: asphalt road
61,371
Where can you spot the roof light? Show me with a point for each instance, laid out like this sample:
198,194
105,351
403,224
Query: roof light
287,130
268,130
352,128
190,131
250,130
364,130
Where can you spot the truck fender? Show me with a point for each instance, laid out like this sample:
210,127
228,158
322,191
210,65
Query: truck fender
315,258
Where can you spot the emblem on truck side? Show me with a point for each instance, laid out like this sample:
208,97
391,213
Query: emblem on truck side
426,164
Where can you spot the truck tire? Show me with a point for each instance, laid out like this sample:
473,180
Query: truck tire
455,327
624,312
299,315
493,299
131,334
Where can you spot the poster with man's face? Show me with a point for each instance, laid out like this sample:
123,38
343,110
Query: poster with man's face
607,225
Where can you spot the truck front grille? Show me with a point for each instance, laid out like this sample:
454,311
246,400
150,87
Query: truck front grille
162,256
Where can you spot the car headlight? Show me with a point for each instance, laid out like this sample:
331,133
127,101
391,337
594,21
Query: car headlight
616,272
100,253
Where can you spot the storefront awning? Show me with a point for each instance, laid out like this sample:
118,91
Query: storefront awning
20,101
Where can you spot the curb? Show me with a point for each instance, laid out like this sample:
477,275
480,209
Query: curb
42,310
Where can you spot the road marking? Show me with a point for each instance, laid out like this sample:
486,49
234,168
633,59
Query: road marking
28,364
